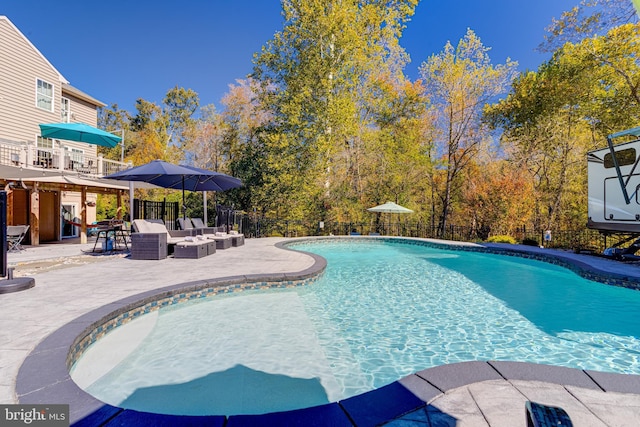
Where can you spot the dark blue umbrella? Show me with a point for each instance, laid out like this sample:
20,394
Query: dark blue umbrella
212,181
168,175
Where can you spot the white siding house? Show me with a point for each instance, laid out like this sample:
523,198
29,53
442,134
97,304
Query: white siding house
33,92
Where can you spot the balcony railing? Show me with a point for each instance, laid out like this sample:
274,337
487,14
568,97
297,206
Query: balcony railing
28,156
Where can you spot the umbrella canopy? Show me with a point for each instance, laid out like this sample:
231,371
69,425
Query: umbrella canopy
79,132
214,181
390,207
168,175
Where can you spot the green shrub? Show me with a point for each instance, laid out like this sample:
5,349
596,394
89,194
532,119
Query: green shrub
530,242
502,239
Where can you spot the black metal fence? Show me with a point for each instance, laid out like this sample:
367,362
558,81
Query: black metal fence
577,240
228,217
166,211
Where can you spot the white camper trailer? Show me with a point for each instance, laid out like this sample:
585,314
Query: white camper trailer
614,184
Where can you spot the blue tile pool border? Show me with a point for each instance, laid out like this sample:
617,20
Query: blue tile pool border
197,291
557,258
58,351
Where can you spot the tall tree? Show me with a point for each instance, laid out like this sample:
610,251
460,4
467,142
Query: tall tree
588,19
609,71
179,106
115,120
459,82
388,160
150,139
241,122
162,130
498,197
204,140
555,115
312,76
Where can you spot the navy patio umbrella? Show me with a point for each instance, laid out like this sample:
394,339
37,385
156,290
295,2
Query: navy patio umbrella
169,175
212,181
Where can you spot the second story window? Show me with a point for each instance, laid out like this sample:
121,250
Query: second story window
65,113
44,95
44,142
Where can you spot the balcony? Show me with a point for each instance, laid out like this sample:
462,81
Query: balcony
28,156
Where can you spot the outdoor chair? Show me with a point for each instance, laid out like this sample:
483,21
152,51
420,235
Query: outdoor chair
152,239
15,235
184,223
199,225
202,228
173,236
224,240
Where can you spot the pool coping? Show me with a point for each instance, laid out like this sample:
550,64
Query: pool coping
35,385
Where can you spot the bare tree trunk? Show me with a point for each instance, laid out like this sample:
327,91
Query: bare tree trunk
446,205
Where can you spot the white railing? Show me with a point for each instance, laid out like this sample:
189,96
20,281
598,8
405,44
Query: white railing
28,156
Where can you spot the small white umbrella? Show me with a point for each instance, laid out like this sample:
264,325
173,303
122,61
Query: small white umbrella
390,207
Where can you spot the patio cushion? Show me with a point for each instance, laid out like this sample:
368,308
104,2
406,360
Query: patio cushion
157,226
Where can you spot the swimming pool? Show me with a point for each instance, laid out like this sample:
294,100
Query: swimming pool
381,311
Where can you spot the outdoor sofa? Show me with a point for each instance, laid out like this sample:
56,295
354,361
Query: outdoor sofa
223,239
152,240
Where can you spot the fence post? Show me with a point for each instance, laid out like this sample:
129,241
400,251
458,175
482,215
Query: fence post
136,209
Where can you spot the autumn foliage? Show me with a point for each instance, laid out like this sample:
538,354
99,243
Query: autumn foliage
328,125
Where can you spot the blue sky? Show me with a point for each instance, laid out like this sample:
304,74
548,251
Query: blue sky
118,51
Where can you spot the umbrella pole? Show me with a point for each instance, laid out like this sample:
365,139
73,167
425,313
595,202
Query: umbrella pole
131,201
204,207
184,206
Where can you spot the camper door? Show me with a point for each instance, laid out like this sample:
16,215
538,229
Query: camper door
608,208
615,207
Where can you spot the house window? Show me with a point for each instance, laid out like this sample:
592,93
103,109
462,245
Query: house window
44,95
44,153
44,142
625,157
74,158
65,113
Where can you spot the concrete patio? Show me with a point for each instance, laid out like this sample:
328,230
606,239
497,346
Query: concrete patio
71,283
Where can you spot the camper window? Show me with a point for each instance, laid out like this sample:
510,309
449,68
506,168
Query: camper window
625,157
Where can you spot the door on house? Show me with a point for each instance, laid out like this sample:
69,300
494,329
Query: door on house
49,216
20,212
68,220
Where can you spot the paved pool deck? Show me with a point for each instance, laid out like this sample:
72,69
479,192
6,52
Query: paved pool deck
74,289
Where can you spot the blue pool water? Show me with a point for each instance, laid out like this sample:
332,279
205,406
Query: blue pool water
381,311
